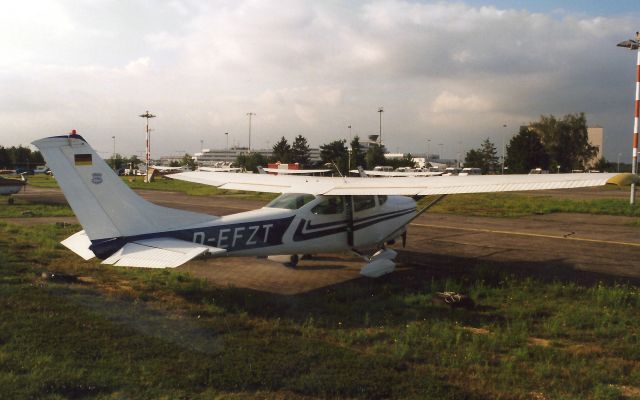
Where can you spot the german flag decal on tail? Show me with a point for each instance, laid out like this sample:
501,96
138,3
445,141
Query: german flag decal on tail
82,159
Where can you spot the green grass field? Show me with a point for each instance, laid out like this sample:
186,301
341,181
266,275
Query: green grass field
127,333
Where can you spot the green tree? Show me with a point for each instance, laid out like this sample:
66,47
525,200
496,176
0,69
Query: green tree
375,156
485,157
405,161
5,159
566,140
250,161
603,165
188,161
282,152
117,162
335,153
134,162
358,157
300,151
525,152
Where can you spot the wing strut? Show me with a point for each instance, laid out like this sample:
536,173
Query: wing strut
349,205
428,206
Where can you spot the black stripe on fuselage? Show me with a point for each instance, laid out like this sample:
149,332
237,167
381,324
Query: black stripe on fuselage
306,230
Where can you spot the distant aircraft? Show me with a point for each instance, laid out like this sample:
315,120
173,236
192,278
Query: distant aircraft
397,174
162,168
282,171
312,214
220,169
11,186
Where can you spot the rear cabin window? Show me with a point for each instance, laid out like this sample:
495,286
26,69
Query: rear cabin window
361,203
291,201
382,199
329,205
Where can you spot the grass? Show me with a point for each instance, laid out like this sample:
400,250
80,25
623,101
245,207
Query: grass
23,208
131,333
518,205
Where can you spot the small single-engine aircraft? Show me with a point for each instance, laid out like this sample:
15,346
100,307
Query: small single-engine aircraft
397,174
312,215
220,169
10,186
166,169
283,171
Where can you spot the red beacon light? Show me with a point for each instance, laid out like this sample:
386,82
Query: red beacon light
73,132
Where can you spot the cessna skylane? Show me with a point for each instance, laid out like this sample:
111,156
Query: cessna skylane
312,214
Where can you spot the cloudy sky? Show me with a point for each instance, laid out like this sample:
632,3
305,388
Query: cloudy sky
450,72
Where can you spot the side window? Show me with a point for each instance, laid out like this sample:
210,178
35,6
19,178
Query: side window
363,202
329,205
382,199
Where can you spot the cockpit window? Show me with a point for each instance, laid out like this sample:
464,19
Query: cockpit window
291,201
329,205
363,202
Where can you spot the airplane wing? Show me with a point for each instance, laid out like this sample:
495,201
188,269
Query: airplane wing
406,186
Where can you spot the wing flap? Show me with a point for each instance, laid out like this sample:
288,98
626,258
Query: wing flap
158,253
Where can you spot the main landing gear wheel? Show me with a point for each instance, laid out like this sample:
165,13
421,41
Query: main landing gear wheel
293,260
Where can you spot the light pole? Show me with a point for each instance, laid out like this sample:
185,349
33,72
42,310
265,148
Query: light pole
428,150
227,135
114,153
250,114
619,154
441,150
503,148
201,145
148,115
380,111
632,44
349,149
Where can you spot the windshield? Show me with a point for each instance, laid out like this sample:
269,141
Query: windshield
291,201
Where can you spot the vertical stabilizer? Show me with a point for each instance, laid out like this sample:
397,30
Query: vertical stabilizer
105,206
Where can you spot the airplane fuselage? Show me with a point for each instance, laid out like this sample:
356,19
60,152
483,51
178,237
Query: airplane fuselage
321,224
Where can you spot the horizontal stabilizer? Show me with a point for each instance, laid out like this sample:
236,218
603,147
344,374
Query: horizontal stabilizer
158,253
79,243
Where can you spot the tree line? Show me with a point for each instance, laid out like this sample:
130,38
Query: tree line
336,155
553,144
19,158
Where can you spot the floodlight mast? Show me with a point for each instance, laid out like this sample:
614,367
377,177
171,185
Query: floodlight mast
147,115
632,44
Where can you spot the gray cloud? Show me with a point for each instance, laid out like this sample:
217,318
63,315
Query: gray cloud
447,72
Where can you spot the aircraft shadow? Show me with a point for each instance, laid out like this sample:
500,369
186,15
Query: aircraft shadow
365,302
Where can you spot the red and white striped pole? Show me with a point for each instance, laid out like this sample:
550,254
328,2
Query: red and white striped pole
634,167
634,44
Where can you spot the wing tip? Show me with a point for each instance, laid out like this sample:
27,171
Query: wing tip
623,179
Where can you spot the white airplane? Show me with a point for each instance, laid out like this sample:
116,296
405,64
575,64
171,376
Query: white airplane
220,169
397,174
164,168
313,214
282,171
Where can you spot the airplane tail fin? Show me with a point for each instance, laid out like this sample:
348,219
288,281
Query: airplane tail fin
104,205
